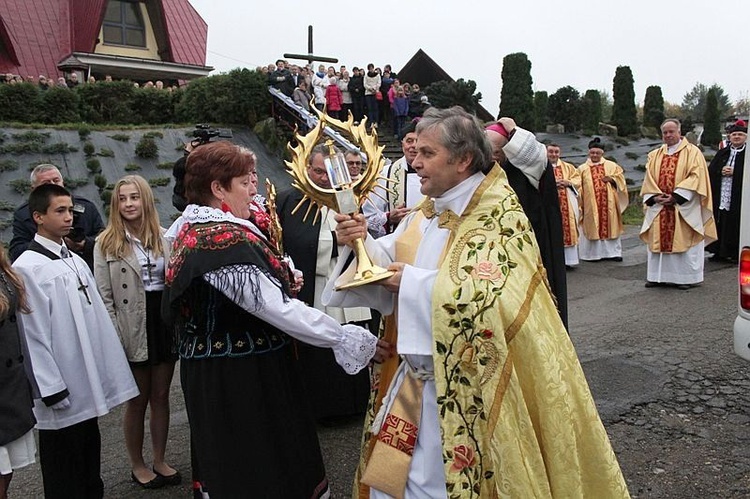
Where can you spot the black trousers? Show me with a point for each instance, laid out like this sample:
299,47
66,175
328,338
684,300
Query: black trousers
71,461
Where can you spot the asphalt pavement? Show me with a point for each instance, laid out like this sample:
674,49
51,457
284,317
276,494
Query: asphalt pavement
659,361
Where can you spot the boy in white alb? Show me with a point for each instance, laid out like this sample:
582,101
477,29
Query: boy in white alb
80,370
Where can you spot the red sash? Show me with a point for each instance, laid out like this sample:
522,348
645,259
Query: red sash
602,199
562,194
667,217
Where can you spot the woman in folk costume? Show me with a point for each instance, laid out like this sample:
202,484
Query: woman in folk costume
17,448
604,196
129,264
229,297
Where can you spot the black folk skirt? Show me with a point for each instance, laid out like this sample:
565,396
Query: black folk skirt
252,430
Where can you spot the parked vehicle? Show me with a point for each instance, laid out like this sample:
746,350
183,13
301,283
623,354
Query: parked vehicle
742,322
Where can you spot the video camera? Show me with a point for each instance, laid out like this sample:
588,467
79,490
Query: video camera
203,134
77,233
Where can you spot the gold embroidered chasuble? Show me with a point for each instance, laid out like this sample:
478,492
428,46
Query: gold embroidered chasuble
516,414
566,171
601,215
689,227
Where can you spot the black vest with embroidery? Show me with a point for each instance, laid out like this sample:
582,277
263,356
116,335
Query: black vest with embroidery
205,321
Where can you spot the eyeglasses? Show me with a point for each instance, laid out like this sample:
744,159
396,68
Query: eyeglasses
354,163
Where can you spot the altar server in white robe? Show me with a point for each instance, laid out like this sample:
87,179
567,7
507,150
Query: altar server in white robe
79,367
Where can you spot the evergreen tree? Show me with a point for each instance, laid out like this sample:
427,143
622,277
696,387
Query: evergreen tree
624,112
653,107
565,107
711,121
592,110
694,102
516,96
541,117
444,94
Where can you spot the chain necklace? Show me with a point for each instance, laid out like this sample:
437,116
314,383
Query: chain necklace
81,286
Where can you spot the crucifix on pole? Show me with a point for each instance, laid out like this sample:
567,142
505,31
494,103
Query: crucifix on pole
309,57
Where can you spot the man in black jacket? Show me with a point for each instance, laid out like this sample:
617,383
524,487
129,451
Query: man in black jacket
357,90
87,223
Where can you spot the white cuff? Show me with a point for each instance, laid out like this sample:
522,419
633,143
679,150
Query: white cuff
356,348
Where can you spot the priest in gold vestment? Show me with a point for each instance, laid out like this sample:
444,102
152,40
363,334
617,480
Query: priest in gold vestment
487,397
678,221
568,181
604,196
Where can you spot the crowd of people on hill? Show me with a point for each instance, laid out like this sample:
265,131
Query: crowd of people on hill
71,80
373,92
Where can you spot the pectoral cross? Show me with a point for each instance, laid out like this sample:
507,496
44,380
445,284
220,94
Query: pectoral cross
82,288
148,266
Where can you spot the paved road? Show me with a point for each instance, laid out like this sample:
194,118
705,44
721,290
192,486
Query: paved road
673,396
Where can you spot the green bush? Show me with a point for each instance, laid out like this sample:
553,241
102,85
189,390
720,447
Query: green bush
21,185
8,165
154,135
74,183
120,137
6,206
107,102
159,181
22,148
132,167
146,148
622,141
106,196
640,168
153,106
88,149
100,181
93,165
56,148
83,132
32,136
19,102
166,165
106,153
59,105
631,155
240,96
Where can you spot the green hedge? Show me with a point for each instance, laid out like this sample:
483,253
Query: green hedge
238,97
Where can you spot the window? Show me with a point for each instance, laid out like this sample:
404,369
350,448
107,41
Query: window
123,24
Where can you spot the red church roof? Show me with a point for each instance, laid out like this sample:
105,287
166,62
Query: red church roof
36,36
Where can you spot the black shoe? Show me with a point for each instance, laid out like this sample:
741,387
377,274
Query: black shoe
616,259
652,284
683,287
173,479
155,483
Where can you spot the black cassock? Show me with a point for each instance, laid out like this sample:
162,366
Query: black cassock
727,221
542,207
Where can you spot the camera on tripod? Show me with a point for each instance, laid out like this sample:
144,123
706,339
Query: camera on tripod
204,132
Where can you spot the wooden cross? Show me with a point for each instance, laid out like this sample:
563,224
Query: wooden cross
309,57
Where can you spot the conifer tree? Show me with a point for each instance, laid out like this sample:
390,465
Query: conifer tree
541,118
516,96
711,121
592,110
624,113
653,107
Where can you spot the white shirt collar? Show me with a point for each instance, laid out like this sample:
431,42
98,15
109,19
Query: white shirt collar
50,245
456,198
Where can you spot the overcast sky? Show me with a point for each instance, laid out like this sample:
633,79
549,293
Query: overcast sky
574,42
